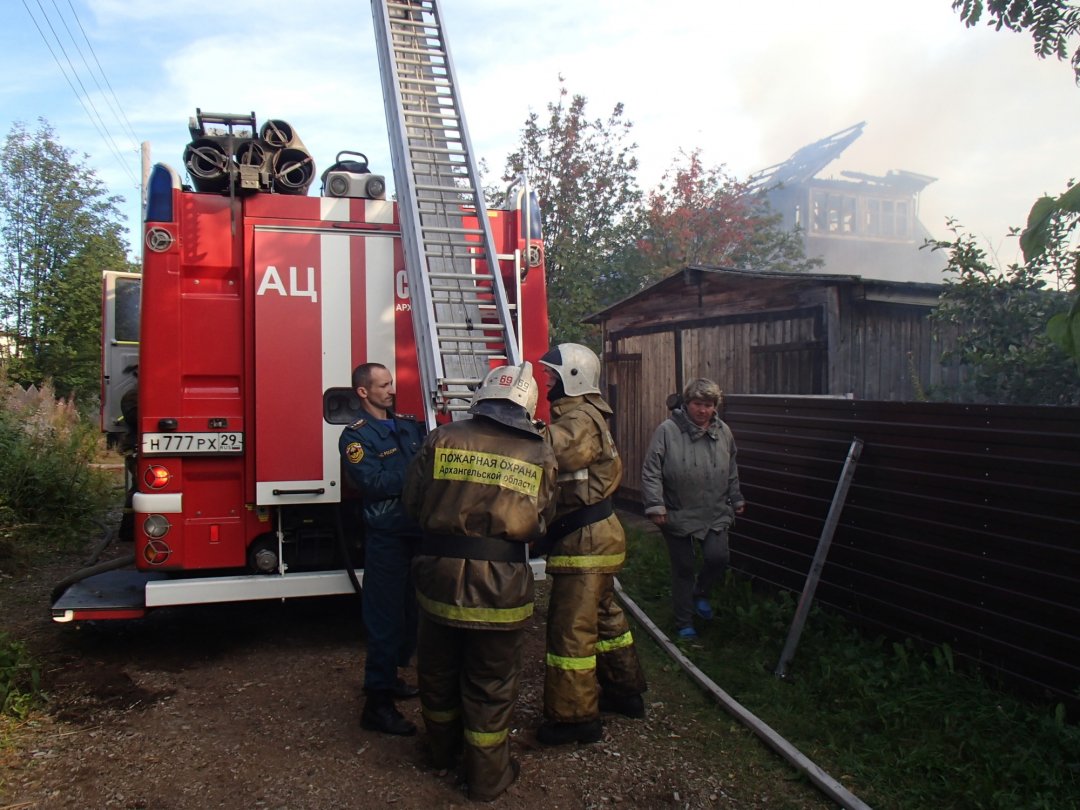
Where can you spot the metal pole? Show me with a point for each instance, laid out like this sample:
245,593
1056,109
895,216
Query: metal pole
803,610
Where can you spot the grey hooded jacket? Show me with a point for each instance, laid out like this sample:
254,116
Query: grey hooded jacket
689,474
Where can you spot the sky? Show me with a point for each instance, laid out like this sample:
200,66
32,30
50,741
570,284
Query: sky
746,83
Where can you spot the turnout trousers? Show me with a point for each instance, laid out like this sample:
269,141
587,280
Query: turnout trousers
589,648
468,686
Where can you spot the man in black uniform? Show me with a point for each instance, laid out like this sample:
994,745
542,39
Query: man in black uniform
377,450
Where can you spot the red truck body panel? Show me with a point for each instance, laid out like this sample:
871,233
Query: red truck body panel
257,309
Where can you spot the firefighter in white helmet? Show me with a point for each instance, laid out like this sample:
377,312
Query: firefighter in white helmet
592,664
482,490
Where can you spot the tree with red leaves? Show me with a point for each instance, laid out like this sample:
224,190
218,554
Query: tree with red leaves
703,216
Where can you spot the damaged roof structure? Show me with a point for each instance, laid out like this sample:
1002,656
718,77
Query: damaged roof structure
862,224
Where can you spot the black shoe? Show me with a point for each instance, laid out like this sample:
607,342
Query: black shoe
403,690
561,733
628,705
380,715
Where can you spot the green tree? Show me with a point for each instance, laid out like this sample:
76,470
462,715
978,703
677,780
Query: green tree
999,318
590,207
58,230
700,215
1051,225
1054,27
1054,24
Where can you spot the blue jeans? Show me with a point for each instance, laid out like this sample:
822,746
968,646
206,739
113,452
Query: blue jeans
389,608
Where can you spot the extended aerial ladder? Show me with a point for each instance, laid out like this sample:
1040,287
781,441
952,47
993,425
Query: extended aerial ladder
462,317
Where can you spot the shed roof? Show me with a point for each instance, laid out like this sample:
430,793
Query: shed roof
720,279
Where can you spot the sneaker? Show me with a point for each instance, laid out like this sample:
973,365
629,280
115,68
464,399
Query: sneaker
380,715
627,705
687,633
703,608
561,733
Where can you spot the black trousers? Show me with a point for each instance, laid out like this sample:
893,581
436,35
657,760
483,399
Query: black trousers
685,587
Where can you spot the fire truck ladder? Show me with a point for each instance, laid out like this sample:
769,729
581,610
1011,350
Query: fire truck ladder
461,315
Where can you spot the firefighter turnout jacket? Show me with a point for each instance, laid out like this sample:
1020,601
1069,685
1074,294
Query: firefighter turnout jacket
481,491
590,470
589,644
477,479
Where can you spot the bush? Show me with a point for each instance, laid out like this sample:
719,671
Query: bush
1000,320
49,490
20,679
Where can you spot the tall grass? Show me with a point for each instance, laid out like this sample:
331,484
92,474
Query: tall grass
49,491
901,726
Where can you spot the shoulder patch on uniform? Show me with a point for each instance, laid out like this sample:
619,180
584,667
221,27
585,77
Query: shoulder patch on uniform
359,423
354,452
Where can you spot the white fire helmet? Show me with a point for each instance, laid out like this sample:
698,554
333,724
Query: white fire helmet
577,366
512,383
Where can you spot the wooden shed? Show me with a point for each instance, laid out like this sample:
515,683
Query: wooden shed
764,333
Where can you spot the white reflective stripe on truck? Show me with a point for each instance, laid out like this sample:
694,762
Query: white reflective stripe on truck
169,503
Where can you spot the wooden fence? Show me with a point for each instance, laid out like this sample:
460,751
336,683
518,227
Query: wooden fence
962,524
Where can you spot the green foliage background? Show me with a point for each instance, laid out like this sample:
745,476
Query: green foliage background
50,494
1000,322
20,679
58,231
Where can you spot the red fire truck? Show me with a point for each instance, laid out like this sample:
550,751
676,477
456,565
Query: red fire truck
228,360
252,314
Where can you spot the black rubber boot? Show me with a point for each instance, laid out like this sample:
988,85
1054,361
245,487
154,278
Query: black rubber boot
562,733
380,714
403,690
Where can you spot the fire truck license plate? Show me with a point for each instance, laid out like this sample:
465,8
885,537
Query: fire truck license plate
180,444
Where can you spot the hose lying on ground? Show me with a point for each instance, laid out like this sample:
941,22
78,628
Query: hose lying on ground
78,576
821,780
108,534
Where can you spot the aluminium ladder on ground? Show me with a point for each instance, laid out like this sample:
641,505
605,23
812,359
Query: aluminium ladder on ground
462,319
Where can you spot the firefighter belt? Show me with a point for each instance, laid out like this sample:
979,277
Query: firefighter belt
571,522
474,548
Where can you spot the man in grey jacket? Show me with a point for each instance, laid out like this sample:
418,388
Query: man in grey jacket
690,483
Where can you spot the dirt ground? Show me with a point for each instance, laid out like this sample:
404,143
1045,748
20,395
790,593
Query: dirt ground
257,706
